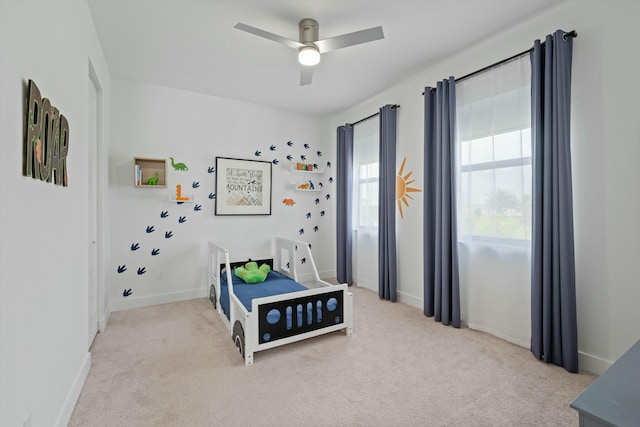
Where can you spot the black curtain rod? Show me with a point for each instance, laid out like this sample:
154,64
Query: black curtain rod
571,33
371,116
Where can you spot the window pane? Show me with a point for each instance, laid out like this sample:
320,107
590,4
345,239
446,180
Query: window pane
481,186
368,205
465,153
373,169
526,142
482,150
510,205
365,179
508,145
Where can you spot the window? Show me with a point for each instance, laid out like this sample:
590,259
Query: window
366,167
366,163
495,179
494,148
494,200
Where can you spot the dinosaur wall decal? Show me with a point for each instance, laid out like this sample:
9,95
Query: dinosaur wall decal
178,166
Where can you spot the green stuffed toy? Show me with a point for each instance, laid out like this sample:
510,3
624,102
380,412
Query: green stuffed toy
250,273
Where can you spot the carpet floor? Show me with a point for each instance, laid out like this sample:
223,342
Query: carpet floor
175,365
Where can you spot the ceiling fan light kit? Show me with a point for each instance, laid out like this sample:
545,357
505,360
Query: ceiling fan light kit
309,56
309,47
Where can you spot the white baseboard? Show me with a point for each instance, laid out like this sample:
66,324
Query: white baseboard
306,277
368,286
137,302
505,334
402,297
327,274
64,416
102,323
593,364
587,362
411,300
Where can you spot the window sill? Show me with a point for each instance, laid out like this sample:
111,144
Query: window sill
495,242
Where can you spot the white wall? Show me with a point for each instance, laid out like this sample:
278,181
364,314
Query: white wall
44,228
605,152
159,122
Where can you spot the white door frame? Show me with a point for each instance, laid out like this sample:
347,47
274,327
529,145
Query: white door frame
94,213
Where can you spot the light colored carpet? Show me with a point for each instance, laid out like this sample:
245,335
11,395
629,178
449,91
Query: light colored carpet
175,365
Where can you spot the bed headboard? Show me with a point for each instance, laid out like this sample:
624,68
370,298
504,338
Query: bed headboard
233,265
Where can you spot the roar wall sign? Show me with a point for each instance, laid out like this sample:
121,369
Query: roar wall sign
46,141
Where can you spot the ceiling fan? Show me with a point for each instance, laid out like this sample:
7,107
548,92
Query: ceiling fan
309,47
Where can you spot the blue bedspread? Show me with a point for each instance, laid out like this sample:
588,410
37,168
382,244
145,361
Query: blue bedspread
275,284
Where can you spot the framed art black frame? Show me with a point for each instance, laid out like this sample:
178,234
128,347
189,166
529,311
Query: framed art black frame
243,187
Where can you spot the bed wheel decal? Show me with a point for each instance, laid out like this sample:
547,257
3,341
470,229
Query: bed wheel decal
238,337
212,297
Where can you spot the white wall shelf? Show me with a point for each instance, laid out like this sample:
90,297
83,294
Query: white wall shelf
307,185
315,171
173,198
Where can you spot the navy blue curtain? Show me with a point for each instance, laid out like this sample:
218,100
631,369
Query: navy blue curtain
387,263
554,335
344,178
441,280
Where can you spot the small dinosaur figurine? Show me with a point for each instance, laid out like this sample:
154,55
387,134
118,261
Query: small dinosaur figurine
178,166
153,180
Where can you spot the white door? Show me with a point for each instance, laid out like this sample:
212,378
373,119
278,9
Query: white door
93,212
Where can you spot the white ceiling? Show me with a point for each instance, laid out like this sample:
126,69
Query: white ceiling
192,45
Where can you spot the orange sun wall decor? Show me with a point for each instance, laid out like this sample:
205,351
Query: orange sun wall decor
402,188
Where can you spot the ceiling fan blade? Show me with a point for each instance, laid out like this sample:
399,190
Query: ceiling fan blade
350,39
306,74
268,35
